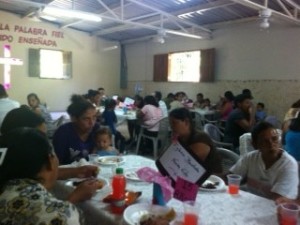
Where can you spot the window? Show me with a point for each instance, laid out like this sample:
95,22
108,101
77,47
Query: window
187,66
53,64
184,67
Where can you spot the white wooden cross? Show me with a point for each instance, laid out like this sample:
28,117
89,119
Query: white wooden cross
7,61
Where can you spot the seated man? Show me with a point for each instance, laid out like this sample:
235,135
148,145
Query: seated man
269,171
240,120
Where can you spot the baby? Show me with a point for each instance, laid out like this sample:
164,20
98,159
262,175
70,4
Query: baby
103,141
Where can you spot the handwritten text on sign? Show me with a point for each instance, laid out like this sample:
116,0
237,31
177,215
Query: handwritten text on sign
177,161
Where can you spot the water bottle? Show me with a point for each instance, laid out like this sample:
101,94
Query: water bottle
118,192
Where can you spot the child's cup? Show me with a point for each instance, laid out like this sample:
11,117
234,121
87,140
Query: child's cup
234,181
93,159
191,213
288,213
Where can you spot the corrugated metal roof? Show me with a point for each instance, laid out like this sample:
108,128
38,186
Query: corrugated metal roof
139,18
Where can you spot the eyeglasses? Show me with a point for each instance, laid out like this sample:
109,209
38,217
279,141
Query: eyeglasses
264,141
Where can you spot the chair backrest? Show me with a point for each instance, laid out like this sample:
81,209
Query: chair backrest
213,131
229,158
163,127
246,144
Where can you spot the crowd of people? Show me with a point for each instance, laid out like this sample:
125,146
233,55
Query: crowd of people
271,170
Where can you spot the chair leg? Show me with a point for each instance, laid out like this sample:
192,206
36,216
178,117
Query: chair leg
138,144
155,144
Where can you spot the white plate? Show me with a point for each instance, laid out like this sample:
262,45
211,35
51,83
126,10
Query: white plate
212,179
111,160
71,182
131,174
133,213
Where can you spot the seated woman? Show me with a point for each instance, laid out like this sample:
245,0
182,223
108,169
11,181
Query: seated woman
226,105
199,143
24,117
150,115
37,107
28,171
75,140
269,171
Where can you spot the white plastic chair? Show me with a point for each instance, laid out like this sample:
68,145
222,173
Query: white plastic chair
163,136
217,136
229,158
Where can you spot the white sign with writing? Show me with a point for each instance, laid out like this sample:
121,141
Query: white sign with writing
177,161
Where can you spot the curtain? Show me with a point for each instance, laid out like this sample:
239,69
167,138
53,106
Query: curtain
207,65
160,67
123,69
34,62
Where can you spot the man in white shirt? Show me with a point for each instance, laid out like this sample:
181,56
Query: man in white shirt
269,171
162,104
6,104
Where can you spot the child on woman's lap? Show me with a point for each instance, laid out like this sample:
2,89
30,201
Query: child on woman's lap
103,140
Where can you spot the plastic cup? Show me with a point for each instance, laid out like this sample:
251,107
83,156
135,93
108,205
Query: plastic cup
93,159
288,214
234,181
191,213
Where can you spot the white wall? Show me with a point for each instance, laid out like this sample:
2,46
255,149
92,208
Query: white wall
266,61
92,67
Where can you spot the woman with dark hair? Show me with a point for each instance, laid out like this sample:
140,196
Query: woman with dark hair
37,107
226,105
150,115
94,97
199,143
24,117
74,140
28,170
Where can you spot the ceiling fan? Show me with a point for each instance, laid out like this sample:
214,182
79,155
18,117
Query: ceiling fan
265,15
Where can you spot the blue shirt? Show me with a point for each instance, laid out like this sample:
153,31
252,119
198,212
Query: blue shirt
107,152
69,147
110,119
292,144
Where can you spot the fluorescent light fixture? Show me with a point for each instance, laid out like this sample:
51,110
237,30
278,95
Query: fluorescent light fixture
54,11
46,17
184,34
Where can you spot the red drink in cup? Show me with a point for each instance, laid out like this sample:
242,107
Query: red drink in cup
288,214
288,221
190,219
233,189
233,183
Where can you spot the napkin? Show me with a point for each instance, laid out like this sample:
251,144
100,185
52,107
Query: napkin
150,175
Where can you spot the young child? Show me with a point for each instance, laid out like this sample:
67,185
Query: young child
109,118
103,141
260,113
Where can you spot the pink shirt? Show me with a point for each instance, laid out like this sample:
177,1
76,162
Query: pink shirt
151,117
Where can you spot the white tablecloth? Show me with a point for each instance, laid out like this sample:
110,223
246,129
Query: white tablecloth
217,208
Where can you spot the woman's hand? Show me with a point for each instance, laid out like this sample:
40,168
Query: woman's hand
87,171
84,191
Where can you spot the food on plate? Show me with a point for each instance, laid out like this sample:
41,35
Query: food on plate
100,183
111,160
162,219
210,185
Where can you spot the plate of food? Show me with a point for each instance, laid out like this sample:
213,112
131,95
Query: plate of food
101,182
111,160
131,174
143,214
213,183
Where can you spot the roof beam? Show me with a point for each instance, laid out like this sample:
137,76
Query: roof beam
257,6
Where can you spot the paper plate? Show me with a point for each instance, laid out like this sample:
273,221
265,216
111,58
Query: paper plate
213,184
134,213
72,183
131,174
111,160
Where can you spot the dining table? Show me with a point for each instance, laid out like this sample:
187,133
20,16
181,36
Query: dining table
216,207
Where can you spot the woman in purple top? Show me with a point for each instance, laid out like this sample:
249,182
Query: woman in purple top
74,140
